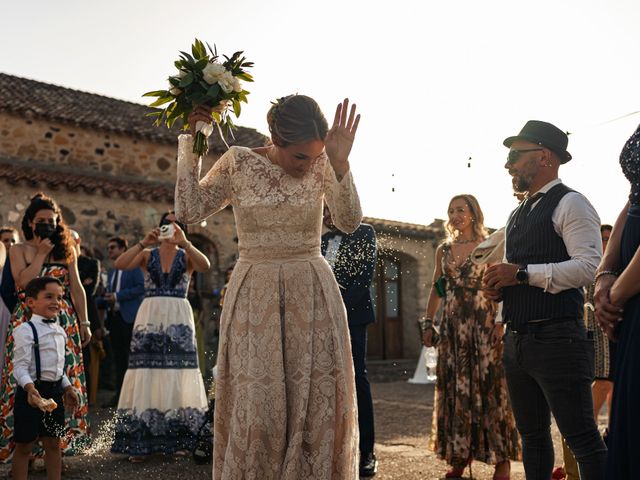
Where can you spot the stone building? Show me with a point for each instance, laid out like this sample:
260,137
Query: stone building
113,173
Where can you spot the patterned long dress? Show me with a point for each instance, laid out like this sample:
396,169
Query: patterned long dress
162,404
472,416
285,392
77,433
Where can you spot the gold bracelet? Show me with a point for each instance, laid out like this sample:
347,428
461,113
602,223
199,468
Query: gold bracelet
603,273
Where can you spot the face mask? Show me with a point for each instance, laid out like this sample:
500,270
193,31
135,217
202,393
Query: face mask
44,230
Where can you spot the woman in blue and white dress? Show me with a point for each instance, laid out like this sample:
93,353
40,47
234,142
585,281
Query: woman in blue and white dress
163,401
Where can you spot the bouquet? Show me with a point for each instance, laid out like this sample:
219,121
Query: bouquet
203,80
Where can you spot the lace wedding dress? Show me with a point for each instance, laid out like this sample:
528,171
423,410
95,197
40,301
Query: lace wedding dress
285,393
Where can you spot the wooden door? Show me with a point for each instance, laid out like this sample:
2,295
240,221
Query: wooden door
385,336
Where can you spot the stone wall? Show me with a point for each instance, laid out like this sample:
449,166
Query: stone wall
127,159
89,150
416,258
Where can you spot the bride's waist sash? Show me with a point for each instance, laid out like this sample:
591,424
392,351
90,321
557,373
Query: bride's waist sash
279,256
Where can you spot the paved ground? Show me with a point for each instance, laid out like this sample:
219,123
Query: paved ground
403,419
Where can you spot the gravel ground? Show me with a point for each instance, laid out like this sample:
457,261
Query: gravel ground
403,418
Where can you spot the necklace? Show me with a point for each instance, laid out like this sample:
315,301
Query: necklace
462,242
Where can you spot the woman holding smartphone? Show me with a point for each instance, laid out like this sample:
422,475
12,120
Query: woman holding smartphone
163,401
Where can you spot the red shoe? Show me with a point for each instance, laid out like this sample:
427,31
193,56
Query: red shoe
503,477
558,474
455,472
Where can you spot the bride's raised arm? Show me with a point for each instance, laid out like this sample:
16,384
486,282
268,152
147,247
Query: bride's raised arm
197,199
339,189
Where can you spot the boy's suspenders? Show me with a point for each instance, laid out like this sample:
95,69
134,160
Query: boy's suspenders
36,349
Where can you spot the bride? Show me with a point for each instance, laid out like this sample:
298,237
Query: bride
285,392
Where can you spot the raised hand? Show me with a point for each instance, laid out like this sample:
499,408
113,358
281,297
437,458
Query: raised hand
44,246
179,238
201,113
339,140
151,238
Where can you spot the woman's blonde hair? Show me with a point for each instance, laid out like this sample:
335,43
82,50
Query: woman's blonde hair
477,217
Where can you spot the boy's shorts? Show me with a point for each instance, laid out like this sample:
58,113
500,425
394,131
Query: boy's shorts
31,423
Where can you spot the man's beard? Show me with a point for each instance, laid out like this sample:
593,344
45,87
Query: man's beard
520,184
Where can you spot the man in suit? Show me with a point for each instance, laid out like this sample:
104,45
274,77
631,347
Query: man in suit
352,258
125,292
552,249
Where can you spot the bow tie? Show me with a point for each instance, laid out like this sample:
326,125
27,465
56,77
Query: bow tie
50,320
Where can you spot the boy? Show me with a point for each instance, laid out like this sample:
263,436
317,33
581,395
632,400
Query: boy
38,367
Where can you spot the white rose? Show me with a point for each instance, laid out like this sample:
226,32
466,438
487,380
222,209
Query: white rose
226,82
237,86
212,72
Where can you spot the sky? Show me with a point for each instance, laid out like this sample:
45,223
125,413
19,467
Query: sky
436,82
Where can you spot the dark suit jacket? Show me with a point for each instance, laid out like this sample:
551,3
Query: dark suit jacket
129,296
353,269
8,287
89,268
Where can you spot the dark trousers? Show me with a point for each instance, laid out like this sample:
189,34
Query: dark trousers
550,369
121,332
363,389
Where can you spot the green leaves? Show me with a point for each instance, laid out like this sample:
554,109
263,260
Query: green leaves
186,80
198,50
190,88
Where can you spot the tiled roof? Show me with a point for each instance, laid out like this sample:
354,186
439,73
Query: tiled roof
15,173
25,97
413,230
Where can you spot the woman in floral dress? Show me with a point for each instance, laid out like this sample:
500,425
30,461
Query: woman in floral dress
472,418
162,402
285,388
48,250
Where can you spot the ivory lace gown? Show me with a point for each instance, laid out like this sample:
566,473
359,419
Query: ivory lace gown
285,393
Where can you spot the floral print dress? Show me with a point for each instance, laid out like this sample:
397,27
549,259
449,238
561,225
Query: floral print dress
77,434
472,416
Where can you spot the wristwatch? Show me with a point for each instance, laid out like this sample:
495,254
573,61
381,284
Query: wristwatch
522,276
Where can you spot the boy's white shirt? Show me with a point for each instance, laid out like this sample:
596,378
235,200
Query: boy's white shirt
52,342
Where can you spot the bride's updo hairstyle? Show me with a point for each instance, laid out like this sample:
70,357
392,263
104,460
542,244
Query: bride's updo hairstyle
296,119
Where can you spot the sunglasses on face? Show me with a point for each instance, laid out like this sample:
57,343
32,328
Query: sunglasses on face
514,155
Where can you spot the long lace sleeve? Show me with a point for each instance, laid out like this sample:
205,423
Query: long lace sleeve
196,199
342,198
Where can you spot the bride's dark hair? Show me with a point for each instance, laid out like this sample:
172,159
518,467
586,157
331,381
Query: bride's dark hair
63,244
296,119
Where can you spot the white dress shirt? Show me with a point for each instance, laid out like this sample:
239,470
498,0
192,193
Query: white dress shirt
578,224
116,305
331,254
52,339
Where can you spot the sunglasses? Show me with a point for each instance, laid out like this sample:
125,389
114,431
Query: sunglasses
514,155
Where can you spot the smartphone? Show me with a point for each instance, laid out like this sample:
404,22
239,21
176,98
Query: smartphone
166,232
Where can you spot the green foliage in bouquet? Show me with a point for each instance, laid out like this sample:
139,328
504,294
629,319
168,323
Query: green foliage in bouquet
202,79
